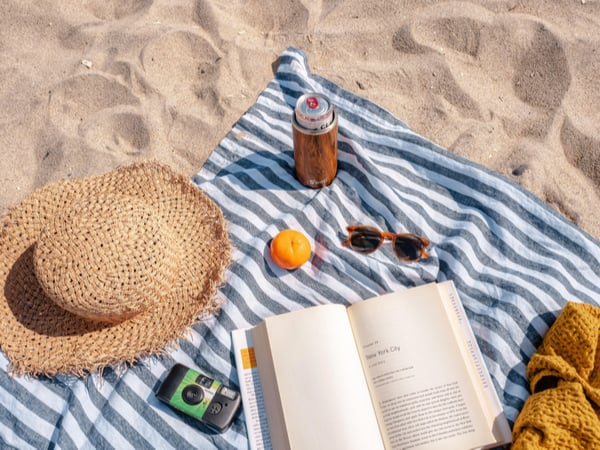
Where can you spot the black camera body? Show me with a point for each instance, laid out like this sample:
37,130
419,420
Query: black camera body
200,396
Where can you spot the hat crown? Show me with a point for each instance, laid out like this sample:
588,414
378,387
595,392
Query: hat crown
106,260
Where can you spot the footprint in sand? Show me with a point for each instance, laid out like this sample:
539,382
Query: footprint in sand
581,146
116,9
426,38
462,34
76,99
204,16
99,110
580,133
542,73
540,80
124,133
283,15
184,134
183,67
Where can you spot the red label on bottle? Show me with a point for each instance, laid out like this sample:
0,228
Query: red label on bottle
312,102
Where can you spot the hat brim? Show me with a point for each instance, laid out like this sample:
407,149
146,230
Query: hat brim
39,338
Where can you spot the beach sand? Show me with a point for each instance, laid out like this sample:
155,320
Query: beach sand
513,85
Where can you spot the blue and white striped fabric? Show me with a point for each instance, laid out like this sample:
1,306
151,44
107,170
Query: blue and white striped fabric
514,261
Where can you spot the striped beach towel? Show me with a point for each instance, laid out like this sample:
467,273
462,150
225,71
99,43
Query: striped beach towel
514,261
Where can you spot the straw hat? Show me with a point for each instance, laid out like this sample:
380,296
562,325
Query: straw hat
105,270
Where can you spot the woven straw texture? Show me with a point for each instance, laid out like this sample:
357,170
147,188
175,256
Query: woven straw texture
563,411
105,270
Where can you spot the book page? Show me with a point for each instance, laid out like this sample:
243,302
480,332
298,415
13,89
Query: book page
312,380
455,310
422,388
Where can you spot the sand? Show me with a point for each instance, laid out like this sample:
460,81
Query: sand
86,86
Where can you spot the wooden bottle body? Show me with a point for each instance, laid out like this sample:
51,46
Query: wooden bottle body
315,153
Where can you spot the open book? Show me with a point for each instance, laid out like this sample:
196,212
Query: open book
398,371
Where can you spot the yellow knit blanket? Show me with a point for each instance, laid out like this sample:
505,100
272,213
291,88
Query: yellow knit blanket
563,411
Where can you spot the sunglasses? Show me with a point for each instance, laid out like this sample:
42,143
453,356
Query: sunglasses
407,246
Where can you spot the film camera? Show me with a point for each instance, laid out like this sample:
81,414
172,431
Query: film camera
200,396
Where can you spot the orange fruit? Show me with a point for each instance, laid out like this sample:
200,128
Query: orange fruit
290,249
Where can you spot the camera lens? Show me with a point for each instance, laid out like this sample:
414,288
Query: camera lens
192,394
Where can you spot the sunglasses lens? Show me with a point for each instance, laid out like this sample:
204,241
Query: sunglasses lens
408,247
365,240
